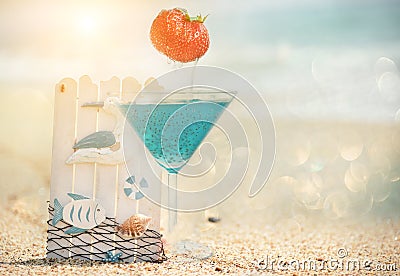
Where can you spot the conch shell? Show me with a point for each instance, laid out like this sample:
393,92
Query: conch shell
134,227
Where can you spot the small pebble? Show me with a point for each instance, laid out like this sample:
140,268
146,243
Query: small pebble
213,219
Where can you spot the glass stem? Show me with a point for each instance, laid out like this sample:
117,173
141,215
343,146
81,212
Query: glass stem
172,201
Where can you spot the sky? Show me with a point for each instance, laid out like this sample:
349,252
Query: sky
44,41
284,48
47,40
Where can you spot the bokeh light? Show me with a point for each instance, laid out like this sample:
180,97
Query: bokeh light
397,116
378,152
359,171
389,87
350,145
323,149
337,205
297,149
307,190
379,187
384,65
353,184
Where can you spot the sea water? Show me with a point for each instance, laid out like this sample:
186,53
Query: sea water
314,60
173,131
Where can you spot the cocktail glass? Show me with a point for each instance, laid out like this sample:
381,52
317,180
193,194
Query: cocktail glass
172,126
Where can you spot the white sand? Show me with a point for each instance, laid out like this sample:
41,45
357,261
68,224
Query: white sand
237,247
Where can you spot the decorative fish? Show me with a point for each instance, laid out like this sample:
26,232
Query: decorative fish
134,227
82,213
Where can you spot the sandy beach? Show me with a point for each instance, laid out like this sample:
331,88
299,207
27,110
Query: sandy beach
237,248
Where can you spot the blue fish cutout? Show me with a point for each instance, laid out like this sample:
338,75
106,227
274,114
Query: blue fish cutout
74,230
77,197
58,212
82,213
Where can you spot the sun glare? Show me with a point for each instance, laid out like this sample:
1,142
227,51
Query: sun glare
87,24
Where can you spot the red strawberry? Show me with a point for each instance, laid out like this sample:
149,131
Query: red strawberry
178,36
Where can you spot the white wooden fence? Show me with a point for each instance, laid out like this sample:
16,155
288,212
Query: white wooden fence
101,182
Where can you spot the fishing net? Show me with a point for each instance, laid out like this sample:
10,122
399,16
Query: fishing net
99,242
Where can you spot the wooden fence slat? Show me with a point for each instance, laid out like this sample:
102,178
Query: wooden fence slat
61,175
84,172
106,175
130,88
126,207
150,209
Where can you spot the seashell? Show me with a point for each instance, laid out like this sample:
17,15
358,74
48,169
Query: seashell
134,227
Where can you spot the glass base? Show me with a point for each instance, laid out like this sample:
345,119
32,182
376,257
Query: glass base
192,251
